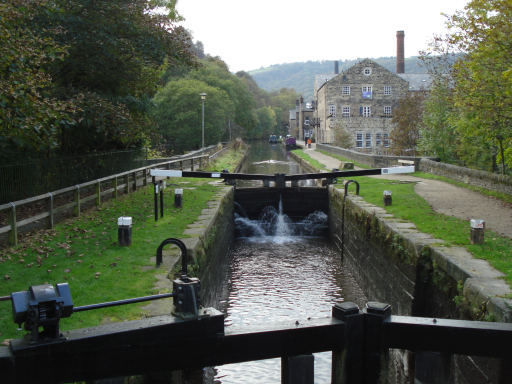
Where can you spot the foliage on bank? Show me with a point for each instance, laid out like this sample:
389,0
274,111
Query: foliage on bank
467,118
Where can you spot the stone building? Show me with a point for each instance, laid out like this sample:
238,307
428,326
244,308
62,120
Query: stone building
301,118
360,101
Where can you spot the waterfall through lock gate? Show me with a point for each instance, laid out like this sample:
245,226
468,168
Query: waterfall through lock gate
280,270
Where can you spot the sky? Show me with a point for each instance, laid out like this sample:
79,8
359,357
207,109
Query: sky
249,34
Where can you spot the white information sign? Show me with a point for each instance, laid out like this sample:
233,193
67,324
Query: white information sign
166,173
388,171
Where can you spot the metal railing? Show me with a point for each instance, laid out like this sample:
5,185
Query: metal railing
49,208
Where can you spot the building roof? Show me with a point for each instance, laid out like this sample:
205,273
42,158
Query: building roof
417,81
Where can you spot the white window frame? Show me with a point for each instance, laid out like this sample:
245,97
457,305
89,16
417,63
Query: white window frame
387,110
368,140
359,139
345,90
367,111
388,90
366,88
332,110
385,140
345,111
367,71
378,139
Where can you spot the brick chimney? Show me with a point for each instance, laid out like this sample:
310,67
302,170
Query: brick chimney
400,63
336,68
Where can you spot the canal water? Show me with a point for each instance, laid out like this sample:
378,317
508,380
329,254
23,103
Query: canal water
281,272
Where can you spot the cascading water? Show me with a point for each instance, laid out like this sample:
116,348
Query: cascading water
275,226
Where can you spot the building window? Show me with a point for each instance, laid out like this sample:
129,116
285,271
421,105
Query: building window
367,71
368,140
306,122
365,111
387,110
332,110
359,140
378,139
386,140
367,92
345,111
345,90
387,89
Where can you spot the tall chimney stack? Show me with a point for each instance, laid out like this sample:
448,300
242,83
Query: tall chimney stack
336,68
400,63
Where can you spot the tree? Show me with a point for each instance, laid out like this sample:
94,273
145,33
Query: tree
438,131
482,77
342,138
407,118
30,114
178,113
116,51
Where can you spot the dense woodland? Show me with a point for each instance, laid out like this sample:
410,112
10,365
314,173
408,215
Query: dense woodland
82,76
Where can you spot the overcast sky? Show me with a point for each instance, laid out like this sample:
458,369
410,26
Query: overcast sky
250,34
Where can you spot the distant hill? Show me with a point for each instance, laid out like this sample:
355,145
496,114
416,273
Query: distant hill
301,76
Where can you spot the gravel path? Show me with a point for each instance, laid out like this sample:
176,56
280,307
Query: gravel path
448,199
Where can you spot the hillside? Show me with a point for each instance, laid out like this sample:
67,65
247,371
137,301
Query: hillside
301,76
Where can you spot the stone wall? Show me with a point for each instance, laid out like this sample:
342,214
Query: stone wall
395,263
487,180
375,161
210,239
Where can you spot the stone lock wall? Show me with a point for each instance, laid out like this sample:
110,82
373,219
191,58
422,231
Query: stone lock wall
418,276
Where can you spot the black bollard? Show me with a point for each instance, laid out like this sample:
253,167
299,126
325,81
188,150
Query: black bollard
178,197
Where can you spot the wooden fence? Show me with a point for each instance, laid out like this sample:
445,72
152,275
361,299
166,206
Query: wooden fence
45,210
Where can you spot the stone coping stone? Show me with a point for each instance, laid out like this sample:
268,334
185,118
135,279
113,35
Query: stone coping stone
482,284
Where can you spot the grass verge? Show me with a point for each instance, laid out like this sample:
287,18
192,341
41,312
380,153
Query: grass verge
409,206
345,159
315,163
84,252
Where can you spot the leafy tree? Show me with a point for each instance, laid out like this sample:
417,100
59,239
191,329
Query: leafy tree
438,130
342,138
215,73
178,112
267,123
116,52
407,118
479,101
30,114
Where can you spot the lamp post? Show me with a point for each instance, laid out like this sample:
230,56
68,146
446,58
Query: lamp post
203,98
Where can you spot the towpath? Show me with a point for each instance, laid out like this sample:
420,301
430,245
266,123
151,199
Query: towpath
446,198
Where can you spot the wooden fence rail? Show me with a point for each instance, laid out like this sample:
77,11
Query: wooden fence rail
74,198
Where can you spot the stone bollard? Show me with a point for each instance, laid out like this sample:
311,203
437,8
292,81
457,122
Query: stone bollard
387,198
124,231
178,197
477,231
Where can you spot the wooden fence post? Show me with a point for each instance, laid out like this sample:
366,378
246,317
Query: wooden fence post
50,210
115,187
98,193
77,201
192,164
145,179
181,165
134,181
13,235
126,184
